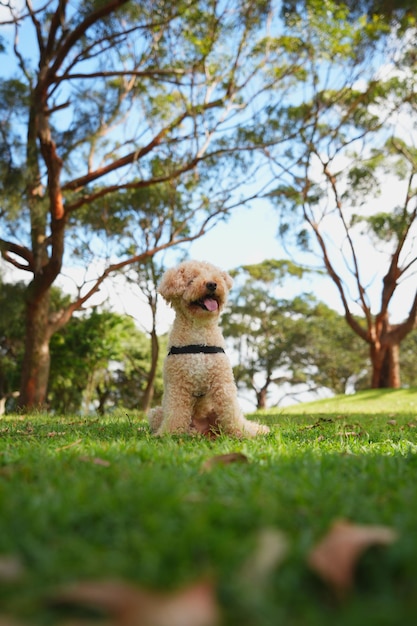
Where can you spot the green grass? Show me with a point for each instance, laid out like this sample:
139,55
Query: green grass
374,401
86,498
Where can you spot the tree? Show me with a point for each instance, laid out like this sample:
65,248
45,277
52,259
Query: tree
12,336
349,141
11,340
297,343
148,276
94,360
408,360
131,381
395,12
120,123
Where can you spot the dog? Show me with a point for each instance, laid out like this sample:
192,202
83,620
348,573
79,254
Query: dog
200,394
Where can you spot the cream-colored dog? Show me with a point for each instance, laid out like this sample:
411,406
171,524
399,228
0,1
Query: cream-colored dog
200,393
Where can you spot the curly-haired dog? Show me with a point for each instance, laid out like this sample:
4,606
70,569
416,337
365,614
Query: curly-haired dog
200,394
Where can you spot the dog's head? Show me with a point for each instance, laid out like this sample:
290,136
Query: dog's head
196,288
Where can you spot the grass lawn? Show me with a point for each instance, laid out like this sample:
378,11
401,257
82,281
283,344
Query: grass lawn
100,499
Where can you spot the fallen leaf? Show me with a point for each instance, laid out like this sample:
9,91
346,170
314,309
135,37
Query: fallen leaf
392,422
270,550
224,459
334,558
129,605
11,569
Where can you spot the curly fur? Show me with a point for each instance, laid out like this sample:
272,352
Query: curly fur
199,389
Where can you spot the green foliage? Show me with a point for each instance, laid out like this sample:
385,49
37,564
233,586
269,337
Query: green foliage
11,337
331,33
14,96
395,13
283,342
98,361
272,270
387,226
408,360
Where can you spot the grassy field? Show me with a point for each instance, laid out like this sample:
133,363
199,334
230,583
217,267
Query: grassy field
87,499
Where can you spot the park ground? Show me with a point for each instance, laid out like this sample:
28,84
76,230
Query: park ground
101,523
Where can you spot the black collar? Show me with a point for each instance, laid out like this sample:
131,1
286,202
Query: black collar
194,349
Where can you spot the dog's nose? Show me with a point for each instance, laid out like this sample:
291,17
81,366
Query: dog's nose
211,286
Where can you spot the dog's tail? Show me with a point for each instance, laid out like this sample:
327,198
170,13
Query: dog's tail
155,417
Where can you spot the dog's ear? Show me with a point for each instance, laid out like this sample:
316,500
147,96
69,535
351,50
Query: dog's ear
173,283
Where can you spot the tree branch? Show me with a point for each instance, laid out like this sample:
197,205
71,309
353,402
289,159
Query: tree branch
75,35
82,181
157,73
7,248
140,258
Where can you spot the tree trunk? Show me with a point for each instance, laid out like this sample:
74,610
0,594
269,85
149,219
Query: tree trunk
386,367
261,398
150,384
35,370
102,394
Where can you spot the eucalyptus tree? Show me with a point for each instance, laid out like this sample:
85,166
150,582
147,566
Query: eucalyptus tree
355,143
398,13
126,130
285,345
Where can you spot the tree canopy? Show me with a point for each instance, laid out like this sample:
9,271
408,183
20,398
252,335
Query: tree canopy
288,346
355,130
123,136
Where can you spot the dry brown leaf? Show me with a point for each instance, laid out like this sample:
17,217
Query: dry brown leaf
334,558
11,568
128,605
224,459
270,550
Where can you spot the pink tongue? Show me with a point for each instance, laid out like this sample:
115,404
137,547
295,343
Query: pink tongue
211,304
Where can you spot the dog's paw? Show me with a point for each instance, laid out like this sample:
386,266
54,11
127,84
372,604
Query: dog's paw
263,430
251,429
258,429
155,417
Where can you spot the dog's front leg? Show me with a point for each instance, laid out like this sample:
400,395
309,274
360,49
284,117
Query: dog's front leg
177,413
231,419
